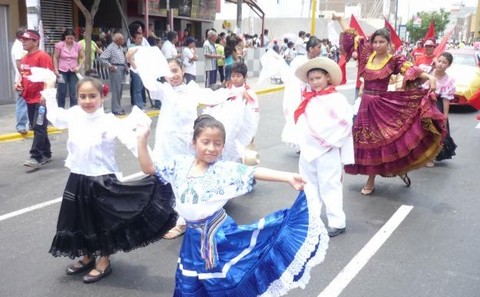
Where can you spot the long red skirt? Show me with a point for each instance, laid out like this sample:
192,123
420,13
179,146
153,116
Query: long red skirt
395,132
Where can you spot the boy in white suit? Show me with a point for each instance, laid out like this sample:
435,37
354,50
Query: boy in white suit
324,125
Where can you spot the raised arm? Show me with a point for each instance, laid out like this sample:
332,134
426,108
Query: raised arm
144,158
341,21
294,179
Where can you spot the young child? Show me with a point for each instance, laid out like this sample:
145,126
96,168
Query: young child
324,124
179,110
219,257
239,114
99,214
445,92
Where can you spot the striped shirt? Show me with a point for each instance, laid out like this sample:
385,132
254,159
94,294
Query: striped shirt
209,49
113,55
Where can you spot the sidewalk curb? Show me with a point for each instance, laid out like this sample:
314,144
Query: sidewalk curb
151,113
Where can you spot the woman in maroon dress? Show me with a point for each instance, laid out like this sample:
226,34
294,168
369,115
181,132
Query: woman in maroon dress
394,131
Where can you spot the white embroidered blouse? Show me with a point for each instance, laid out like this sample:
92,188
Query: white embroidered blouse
91,137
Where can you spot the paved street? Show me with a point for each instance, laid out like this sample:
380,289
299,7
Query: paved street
432,250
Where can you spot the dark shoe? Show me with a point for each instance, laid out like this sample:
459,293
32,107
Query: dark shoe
89,278
45,160
121,112
74,269
332,232
406,179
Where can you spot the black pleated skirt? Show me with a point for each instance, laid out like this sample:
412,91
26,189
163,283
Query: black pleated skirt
101,215
449,146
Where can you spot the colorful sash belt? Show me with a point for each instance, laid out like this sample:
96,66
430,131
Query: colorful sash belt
209,227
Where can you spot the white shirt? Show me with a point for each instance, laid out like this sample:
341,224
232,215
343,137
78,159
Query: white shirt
326,123
91,137
169,50
17,54
300,46
189,67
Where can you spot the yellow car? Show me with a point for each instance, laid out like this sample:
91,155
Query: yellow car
465,69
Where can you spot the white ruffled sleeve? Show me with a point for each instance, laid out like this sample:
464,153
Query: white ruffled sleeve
59,117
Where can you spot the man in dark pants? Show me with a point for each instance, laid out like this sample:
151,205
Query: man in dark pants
114,58
40,152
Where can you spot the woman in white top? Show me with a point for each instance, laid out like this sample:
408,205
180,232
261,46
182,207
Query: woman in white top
180,102
99,214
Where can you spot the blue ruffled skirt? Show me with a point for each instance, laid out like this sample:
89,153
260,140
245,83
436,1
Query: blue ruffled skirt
270,257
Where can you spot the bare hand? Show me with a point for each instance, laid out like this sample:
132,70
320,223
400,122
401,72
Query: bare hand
142,131
296,181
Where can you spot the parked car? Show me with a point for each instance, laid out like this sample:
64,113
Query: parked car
465,70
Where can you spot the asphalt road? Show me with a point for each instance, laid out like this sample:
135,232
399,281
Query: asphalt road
432,252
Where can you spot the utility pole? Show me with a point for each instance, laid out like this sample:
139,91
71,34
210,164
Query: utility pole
239,15
313,13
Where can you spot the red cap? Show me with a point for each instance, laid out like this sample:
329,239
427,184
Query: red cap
31,34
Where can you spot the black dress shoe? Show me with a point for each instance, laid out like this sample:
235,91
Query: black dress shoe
75,269
332,232
89,278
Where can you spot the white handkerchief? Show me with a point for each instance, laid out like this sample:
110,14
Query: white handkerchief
41,74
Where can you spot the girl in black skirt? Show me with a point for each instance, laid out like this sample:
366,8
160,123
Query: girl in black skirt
99,214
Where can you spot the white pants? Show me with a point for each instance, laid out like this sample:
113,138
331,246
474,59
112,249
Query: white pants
324,182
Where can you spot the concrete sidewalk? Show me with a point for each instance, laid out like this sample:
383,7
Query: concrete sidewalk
8,121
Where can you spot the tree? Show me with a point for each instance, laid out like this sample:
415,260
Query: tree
89,17
440,18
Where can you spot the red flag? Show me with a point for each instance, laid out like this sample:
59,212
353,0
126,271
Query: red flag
443,44
396,41
355,25
431,31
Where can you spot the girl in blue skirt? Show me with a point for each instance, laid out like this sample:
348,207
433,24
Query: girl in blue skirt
219,257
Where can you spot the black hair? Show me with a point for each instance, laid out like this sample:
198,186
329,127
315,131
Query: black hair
97,84
176,61
317,69
447,56
20,32
301,33
313,41
152,40
239,67
171,35
133,27
66,33
383,32
207,121
231,42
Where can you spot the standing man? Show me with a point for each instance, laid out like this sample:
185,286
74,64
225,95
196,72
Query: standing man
40,152
189,60
300,44
21,108
211,57
425,61
168,48
136,85
114,58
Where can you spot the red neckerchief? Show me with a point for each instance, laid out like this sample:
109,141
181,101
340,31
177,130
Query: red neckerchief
307,96
249,99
